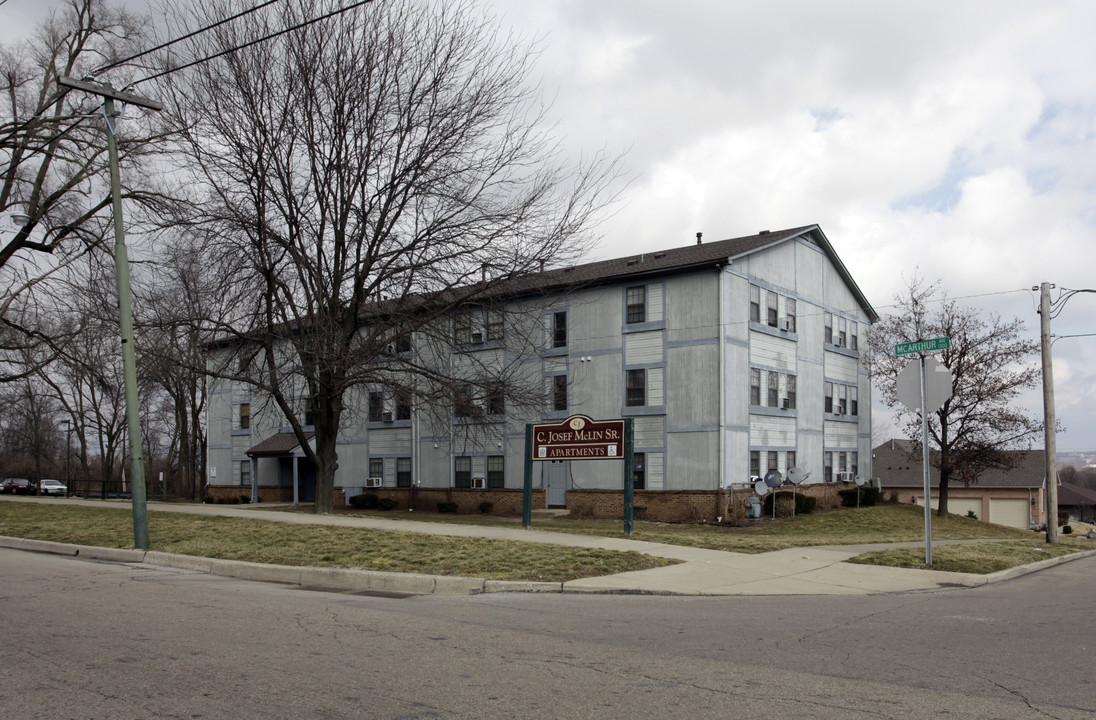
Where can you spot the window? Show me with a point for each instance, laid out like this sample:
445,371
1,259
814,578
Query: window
853,404
854,464
772,308
828,390
403,405
755,304
245,472
462,328
755,463
636,388
639,471
559,329
496,471
842,334
403,343
790,458
842,402
852,335
496,399
462,403
462,472
755,386
789,311
828,319
494,325
376,468
403,472
789,391
774,460
309,411
376,406
245,416
559,392
773,399
827,467
841,466
636,301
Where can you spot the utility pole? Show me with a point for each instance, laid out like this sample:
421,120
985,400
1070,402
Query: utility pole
125,301
1049,432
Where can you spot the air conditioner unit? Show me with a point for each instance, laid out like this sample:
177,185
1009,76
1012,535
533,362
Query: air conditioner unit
477,338
784,324
479,483
786,404
374,482
386,417
844,477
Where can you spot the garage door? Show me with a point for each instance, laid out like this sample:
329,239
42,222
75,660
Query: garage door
959,506
1011,512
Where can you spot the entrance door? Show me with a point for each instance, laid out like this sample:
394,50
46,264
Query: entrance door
557,475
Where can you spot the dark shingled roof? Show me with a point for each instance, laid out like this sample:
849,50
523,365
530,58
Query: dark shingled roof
897,463
280,444
1076,495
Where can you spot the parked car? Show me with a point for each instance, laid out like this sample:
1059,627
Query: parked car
53,487
18,486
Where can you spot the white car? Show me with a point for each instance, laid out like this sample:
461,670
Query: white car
54,487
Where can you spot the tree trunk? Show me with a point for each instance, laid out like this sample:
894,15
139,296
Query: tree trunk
942,509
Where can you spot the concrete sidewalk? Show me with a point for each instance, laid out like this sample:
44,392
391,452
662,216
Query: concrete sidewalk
796,571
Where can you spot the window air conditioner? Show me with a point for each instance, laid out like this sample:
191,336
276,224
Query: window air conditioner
477,338
786,404
373,482
386,417
479,483
785,324
844,477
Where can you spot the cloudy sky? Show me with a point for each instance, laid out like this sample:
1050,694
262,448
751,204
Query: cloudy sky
953,138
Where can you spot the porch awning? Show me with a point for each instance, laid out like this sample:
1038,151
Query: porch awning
280,444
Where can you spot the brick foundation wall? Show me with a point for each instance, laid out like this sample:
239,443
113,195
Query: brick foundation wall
267,493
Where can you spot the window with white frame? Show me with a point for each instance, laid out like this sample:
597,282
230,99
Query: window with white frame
403,472
245,472
462,471
636,390
853,404
774,460
559,329
853,342
827,319
789,313
245,416
636,304
789,392
827,390
495,325
496,471
403,405
827,466
559,393
376,468
755,463
773,398
639,471
790,459
376,406
772,308
755,386
755,304
842,333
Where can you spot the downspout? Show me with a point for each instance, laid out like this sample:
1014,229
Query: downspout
721,341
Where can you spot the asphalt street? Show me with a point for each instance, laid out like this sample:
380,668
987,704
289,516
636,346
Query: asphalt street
85,639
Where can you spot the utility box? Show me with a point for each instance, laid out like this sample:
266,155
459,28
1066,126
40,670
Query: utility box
753,507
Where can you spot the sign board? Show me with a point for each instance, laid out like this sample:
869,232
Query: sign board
922,346
937,384
579,438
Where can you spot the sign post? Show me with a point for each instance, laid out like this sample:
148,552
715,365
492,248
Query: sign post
579,438
924,387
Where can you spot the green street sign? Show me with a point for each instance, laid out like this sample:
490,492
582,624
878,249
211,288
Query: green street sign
922,346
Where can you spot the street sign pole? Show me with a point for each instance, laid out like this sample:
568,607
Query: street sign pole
527,486
925,462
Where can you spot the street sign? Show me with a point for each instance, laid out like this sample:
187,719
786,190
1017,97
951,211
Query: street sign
579,438
919,346
937,384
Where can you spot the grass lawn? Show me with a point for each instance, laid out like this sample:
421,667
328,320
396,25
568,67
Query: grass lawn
849,526
981,558
315,545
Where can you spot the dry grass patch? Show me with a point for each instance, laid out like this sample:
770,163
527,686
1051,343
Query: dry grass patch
318,545
979,558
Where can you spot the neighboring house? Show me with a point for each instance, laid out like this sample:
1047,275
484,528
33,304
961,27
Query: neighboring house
1014,497
733,358
1076,502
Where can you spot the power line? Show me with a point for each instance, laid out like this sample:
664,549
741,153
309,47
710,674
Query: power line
189,35
279,33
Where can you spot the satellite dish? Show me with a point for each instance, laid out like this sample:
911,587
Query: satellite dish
761,488
796,475
860,480
774,479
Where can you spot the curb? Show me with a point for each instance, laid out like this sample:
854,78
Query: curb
1021,570
333,578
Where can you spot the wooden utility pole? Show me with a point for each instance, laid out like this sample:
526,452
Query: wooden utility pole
1049,432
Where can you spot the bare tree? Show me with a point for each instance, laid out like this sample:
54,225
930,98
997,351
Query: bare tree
360,179
990,363
53,145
